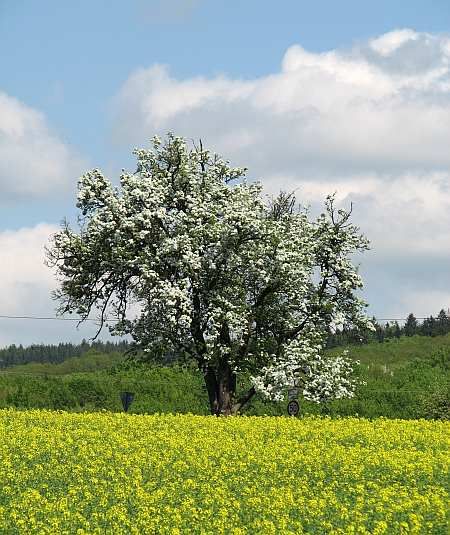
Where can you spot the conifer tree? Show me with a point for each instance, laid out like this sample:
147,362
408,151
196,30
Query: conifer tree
411,325
443,322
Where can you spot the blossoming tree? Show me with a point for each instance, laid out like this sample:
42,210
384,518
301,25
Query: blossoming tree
214,274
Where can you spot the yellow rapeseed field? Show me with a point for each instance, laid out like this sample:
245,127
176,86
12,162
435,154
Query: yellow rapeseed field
117,473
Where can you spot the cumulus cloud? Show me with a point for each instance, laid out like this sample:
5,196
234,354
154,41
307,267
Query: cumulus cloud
25,290
34,162
25,282
381,106
371,122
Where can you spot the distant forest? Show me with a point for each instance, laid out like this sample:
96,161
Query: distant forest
55,354
432,326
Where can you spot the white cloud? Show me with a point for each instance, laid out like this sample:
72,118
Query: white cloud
25,290
371,122
334,111
389,42
25,282
34,162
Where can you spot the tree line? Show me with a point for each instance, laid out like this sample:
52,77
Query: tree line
51,353
431,326
14,355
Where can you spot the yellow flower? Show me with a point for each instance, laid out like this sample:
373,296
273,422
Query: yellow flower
115,473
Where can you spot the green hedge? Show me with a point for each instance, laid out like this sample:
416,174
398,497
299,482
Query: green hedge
419,388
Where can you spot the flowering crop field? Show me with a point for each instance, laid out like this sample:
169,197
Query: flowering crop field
117,473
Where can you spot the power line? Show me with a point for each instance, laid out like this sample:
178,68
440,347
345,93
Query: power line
8,316
400,319
53,318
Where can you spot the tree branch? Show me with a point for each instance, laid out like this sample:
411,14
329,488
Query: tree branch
243,400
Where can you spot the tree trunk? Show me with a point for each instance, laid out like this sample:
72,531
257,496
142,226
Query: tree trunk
213,389
227,389
221,386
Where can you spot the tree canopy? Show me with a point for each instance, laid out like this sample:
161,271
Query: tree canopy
190,259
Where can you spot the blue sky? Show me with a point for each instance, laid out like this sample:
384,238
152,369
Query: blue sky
76,76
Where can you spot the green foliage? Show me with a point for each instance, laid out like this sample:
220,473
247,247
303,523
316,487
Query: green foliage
89,362
55,354
430,327
407,378
157,389
397,352
416,390
437,405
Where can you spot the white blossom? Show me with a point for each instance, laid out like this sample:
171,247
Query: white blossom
214,270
